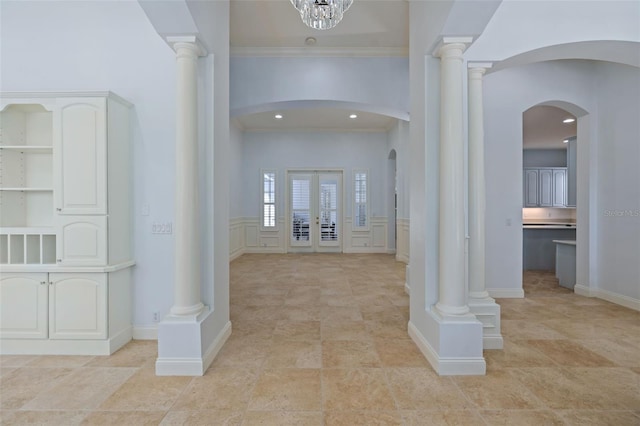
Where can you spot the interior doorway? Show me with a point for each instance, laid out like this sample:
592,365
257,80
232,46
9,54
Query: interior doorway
314,206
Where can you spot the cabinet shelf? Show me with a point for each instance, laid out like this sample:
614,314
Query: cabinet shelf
35,149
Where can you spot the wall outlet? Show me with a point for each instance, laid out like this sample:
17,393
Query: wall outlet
162,228
156,316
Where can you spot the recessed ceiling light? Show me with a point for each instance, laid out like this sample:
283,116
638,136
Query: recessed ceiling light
278,116
565,141
353,116
569,120
310,41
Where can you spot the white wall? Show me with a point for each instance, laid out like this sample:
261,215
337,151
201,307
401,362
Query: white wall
608,164
237,172
379,82
348,151
618,192
58,46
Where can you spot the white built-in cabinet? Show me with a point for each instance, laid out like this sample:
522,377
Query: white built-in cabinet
65,223
545,187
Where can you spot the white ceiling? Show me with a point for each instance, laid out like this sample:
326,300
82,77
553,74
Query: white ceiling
276,23
543,127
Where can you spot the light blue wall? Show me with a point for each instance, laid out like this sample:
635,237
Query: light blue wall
544,158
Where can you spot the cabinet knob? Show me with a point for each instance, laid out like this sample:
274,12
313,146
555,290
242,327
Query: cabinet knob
43,282
58,209
58,260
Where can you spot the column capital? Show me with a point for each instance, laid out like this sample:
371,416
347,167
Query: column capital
446,44
187,41
479,65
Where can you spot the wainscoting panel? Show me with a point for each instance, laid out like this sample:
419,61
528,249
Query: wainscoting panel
402,249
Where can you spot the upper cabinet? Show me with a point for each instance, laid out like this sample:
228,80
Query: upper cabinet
544,187
81,156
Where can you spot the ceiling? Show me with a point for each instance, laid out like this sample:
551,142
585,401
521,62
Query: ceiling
382,24
543,127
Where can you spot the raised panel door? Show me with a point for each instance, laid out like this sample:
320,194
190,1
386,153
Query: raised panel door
559,187
546,187
80,156
82,240
530,187
24,312
78,306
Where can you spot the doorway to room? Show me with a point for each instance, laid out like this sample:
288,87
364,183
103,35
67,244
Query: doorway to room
314,211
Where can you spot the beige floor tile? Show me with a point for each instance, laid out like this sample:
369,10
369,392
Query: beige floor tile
624,353
287,390
442,418
388,328
363,418
22,385
253,329
356,389
15,360
297,330
282,418
42,418
294,354
569,353
400,353
135,354
598,418
146,391
203,418
346,330
218,389
423,389
84,388
521,417
340,313
527,330
240,352
137,418
302,313
515,353
60,361
497,390
349,354
4,371
582,388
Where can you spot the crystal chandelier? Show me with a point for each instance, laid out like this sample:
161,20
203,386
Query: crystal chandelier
321,14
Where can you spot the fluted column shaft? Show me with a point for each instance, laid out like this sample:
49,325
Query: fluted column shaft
452,289
187,254
477,289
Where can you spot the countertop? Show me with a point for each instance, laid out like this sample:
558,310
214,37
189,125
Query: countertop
567,242
548,223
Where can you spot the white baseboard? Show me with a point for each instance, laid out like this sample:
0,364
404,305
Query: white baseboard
618,299
216,345
506,293
492,342
120,339
145,332
447,366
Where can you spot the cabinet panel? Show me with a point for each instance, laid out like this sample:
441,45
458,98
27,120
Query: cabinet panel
546,188
80,156
24,300
82,240
78,306
531,188
559,187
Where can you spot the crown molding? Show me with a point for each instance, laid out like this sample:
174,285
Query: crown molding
371,52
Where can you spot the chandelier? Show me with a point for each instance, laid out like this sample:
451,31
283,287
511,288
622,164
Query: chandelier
321,14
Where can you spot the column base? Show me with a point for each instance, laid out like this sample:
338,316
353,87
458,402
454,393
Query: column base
183,347
487,311
452,344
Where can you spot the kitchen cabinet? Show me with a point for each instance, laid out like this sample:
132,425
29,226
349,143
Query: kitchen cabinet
65,223
544,187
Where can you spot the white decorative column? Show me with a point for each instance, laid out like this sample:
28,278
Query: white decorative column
443,328
187,253
452,288
484,307
183,348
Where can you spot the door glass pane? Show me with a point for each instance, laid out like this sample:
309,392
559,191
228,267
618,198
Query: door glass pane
328,209
300,208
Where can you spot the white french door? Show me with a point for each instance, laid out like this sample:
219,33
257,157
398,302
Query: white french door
315,211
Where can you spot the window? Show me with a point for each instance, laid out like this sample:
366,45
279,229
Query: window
360,196
269,199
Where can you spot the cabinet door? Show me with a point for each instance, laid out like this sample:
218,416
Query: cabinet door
531,187
546,187
82,240
559,188
78,306
23,306
80,156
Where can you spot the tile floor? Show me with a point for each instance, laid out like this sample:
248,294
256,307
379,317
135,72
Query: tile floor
321,339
